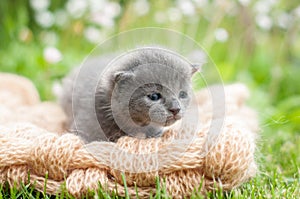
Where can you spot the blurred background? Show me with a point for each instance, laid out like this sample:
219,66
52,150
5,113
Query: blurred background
256,42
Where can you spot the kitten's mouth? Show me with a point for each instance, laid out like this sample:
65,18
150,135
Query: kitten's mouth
172,119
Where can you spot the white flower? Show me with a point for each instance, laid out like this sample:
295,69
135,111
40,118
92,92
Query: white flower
112,9
198,57
39,5
174,14
104,12
264,22
187,7
44,19
101,18
297,11
262,6
221,35
52,55
57,89
93,35
141,7
76,8
61,18
96,5
284,20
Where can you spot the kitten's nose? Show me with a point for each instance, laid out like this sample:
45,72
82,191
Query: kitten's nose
174,111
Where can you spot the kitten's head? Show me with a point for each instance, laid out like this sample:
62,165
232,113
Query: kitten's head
158,104
156,90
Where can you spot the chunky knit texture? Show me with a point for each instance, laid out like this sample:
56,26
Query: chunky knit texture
32,140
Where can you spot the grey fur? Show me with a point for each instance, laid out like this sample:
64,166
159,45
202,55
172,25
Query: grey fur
117,95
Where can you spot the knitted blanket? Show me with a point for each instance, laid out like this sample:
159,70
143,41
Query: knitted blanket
33,141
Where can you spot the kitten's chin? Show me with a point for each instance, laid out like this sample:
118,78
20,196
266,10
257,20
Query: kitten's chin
169,120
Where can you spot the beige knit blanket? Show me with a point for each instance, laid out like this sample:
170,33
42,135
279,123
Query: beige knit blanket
32,140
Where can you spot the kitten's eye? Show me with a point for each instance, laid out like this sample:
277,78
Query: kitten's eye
183,94
154,96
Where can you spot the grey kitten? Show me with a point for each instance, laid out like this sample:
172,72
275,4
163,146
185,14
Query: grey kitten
138,94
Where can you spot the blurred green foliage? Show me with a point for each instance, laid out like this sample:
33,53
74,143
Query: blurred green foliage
254,42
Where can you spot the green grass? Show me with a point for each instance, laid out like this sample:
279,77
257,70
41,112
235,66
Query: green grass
267,61
272,185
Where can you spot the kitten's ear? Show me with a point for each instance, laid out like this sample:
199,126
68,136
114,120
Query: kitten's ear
195,68
122,75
